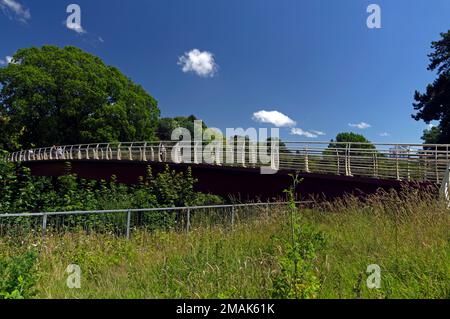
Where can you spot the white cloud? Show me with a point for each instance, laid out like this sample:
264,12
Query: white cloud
300,132
200,62
320,133
17,10
6,60
361,126
273,117
384,134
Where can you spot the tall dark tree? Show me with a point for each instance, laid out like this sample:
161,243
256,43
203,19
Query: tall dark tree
52,95
434,104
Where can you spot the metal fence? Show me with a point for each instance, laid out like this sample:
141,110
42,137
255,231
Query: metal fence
122,222
411,162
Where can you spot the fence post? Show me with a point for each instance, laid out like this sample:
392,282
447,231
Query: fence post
44,225
232,216
188,220
128,223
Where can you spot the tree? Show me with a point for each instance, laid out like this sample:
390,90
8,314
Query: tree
431,135
434,104
52,95
334,156
351,138
167,125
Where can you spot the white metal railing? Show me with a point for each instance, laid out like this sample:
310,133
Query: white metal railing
410,162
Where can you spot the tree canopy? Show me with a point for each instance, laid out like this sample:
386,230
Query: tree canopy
351,137
434,104
52,95
167,125
431,135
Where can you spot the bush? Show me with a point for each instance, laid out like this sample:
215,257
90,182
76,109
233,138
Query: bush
21,192
17,276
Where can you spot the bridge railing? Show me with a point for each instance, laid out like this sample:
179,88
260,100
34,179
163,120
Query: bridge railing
420,162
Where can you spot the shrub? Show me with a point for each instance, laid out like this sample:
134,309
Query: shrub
17,276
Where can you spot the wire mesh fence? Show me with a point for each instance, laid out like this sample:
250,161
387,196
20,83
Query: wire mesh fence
124,222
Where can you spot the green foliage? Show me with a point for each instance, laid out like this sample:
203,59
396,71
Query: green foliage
297,278
167,125
354,139
406,235
432,135
20,192
350,137
434,104
18,275
52,95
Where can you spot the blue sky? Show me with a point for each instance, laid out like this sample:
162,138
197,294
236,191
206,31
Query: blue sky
314,61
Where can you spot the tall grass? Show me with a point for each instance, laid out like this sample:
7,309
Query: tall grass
407,235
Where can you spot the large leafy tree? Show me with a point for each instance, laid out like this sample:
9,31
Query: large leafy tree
350,137
168,124
434,104
357,141
52,95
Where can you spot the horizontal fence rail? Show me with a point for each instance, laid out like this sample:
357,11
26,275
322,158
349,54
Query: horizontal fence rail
122,221
410,162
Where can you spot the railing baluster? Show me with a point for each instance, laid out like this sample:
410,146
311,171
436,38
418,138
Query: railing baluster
436,163
306,160
144,156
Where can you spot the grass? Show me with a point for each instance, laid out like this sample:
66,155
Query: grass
406,235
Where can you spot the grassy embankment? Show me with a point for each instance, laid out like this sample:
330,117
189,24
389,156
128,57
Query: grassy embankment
408,237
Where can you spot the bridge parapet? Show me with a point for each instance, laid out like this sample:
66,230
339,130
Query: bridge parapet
409,162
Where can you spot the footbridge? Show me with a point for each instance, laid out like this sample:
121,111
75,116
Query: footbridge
248,169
